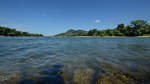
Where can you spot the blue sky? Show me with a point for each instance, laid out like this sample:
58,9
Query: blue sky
50,17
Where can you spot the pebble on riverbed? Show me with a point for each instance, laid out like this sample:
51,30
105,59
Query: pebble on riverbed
84,76
10,79
116,78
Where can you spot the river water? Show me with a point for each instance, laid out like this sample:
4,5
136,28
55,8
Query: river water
74,60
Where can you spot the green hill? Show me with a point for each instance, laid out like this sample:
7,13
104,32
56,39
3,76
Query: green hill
5,31
72,32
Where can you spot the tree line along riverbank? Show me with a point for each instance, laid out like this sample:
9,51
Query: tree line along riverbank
5,31
135,28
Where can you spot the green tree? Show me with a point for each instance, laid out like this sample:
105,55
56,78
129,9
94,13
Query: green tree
137,24
137,27
120,27
118,33
13,32
92,32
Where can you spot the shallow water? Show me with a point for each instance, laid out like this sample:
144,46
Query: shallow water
74,60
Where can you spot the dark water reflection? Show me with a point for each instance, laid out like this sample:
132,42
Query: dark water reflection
74,60
49,76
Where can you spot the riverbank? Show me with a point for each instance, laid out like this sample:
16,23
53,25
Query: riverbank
79,36
21,36
142,36
102,36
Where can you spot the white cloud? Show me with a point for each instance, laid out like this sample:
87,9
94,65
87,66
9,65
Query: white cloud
97,21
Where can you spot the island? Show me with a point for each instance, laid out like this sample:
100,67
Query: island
5,31
135,28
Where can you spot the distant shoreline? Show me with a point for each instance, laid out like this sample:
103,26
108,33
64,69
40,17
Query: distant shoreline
142,36
78,36
101,36
21,36
5,31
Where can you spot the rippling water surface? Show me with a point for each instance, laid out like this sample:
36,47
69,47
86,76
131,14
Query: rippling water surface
74,60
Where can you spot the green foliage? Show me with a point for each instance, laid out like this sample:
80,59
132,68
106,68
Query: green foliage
93,32
139,23
5,31
136,28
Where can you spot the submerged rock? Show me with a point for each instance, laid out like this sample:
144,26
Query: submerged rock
84,76
49,76
116,78
10,78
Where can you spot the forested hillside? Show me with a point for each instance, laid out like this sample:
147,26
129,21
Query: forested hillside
135,28
5,31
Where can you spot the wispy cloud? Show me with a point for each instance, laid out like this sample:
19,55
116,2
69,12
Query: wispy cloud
97,21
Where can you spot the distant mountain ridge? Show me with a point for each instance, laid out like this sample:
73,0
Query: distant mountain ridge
72,32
